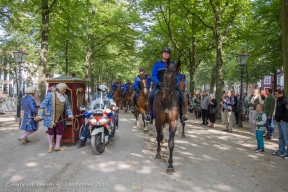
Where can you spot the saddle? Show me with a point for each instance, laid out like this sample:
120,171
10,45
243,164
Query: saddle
176,93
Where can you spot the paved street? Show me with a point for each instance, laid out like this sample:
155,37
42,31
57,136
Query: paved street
206,160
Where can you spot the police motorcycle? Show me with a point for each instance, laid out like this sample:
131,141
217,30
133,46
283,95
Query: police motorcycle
102,121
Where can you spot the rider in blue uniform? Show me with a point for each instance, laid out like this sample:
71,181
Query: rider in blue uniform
114,86
157,77
137,87
178,81
124,88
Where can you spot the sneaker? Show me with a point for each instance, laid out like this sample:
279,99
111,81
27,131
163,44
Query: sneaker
225,130
132,108
260,151
278,154
285,157
257,148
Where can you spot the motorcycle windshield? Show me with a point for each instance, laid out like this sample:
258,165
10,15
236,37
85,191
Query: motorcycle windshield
99,102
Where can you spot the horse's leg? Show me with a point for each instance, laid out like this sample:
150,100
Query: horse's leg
136,114
159,138
183,129
172,130
143,119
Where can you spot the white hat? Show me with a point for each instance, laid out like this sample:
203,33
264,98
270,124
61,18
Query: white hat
31,89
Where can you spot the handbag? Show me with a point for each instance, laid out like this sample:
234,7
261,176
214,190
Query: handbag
212,110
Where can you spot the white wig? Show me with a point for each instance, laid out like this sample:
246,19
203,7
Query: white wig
31,89
61,86
212,96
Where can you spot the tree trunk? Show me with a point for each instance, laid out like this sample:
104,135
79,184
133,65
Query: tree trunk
284,16
193,57
66,48
212,83
219,61
44,50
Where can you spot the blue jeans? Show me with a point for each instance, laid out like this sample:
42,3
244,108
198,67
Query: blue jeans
270,126
84,135
283,137
259,138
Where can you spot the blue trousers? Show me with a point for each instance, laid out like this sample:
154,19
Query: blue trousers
84,135
259,138
270,126
283,137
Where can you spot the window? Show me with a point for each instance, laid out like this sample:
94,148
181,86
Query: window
278,79
267,80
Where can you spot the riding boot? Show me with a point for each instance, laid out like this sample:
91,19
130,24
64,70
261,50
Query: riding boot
183,117
133,103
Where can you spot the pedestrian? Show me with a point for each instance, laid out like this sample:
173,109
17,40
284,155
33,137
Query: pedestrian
204,107
260,124
281,116
269,109
228,103
212,114
221,109
256,99
197,107
29,111
53,109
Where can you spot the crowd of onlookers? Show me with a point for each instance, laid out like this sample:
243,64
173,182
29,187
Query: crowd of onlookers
261,109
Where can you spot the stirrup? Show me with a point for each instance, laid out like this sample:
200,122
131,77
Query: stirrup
132,108
148,118
185,118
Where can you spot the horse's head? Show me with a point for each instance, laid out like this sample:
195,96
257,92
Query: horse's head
118,87
170,79
182,83
143,84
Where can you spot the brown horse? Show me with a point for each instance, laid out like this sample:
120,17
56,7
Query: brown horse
166,109
117,95
127,100
182,86
141,105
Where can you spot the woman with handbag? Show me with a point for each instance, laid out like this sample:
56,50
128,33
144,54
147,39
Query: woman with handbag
212,110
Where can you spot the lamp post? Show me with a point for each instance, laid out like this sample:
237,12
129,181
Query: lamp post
242,60
19,57
88,80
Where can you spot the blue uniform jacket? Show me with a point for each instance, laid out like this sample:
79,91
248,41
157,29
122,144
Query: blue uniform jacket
29,111
114,86
47,108
136,85
158,71
179,77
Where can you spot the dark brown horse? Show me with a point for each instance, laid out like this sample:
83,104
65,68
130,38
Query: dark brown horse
117,95
141,105
166,110
182,86
127,100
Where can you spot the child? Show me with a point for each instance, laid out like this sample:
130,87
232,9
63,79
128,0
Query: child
260,124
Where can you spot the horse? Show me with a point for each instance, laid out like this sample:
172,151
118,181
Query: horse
166,110
182,86
127,100
117,95
141,105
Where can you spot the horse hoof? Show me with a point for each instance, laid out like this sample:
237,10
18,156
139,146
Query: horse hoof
145,129
158,157
170,170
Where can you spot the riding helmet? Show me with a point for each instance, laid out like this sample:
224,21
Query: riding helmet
141,69
166,49
102,88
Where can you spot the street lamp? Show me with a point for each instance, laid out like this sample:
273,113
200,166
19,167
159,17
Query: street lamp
19,57
88,81
242,60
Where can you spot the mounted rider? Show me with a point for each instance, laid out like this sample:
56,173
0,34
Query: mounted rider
125,87
102,89
137,87
180,76
114,86
157,77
